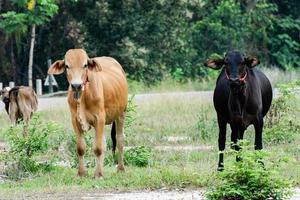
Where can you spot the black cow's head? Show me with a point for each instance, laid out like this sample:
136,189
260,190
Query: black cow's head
236,67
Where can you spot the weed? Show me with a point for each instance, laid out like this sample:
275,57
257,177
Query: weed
138,156
205,125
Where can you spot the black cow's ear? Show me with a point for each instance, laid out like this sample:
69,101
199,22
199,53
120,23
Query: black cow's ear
251,61
215,63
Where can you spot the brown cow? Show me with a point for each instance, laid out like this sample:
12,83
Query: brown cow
97,96
20,103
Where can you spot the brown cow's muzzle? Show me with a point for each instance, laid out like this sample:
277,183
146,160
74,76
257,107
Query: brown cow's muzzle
77,90
5,99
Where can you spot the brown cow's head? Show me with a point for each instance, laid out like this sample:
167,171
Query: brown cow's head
235,65
5,94
77,64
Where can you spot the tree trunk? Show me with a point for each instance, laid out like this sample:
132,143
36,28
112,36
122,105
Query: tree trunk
30,64
13,61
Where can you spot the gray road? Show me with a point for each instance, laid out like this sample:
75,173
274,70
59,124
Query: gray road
49,103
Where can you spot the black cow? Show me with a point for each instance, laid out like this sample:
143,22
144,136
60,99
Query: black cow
242,97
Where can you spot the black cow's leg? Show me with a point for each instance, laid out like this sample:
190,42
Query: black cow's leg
221,142
234,136
258,125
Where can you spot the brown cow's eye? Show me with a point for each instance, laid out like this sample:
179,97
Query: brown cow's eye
67,66
85,66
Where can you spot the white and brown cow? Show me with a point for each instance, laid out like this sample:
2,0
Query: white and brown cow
20,103
97,96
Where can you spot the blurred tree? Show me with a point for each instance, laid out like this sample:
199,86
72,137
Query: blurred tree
31,13
151,39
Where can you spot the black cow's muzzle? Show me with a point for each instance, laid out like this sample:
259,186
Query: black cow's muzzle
236,87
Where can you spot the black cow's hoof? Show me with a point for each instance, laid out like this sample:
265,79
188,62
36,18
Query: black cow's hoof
220,168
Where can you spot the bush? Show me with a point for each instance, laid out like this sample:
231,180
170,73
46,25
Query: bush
249,179
25,155
138,156
281,123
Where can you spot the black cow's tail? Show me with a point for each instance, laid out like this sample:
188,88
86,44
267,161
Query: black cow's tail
113,137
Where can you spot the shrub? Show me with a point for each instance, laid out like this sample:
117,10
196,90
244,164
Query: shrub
138,156
25,153
281,122
249,179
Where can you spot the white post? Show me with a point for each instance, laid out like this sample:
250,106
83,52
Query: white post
11,84
39,87
1,86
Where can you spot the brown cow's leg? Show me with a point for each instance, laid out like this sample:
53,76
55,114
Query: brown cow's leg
99,146
13,113
80,147
120,141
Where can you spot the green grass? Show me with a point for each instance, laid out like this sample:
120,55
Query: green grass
171,85
168,170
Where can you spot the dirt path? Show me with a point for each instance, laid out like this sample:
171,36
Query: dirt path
133,195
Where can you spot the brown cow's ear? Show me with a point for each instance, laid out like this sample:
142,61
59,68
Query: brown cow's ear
58,67
215,63
94,65
251,61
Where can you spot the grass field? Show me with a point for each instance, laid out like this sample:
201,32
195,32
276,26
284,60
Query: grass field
191,120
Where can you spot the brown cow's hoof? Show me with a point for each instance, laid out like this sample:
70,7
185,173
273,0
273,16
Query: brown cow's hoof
98,174
120,168
82,173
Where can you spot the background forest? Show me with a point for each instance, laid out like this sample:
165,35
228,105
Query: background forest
151,39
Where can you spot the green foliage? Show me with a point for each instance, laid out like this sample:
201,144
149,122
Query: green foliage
139,156
287,48
282,124
25,151
41,13
252,178
151,39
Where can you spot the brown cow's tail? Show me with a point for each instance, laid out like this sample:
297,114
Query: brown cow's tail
113,137
34,103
